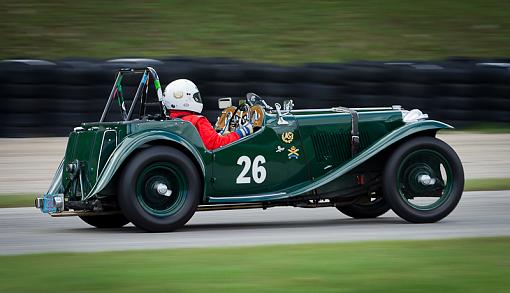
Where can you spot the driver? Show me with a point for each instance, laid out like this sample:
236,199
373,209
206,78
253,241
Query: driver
182,100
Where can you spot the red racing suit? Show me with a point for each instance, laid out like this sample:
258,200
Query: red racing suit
210,137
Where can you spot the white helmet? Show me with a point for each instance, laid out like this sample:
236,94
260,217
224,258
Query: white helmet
182,94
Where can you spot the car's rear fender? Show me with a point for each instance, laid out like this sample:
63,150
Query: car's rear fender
395,137
130,144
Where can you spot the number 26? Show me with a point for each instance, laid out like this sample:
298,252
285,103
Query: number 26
258,171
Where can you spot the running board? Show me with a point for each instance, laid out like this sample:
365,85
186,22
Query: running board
201,208
222,207
82,213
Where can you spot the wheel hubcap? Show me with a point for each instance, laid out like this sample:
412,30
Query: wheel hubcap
425,179
162,189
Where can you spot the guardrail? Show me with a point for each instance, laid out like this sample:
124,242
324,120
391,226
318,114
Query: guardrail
49,98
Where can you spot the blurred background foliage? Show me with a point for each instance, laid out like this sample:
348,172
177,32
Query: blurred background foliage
283,32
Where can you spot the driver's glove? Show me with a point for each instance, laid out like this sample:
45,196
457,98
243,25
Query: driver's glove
245,130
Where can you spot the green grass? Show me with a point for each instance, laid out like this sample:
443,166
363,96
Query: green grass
17,200
487,127
289,31
461,265
27,200
487,184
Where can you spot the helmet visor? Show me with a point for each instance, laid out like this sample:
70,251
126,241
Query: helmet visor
197,97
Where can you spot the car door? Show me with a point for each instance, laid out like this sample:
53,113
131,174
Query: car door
267,161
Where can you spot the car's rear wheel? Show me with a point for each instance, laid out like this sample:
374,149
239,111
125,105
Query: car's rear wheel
106,221
423,180
159,189
371,208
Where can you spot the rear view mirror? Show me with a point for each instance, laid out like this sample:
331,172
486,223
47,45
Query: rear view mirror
224,103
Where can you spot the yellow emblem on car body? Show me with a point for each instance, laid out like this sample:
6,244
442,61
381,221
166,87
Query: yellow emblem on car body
287,137
293,153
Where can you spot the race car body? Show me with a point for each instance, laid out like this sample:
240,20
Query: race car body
156,172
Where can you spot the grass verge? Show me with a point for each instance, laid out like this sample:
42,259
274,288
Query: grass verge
27,200
487,184
460,265
496,128
287,31
17,200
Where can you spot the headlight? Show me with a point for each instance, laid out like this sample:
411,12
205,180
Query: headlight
413,115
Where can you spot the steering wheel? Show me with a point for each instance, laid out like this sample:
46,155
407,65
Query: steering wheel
257,116
223,123
233,118
240,118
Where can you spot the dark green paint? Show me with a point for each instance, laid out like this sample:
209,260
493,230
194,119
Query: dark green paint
280,170
321,135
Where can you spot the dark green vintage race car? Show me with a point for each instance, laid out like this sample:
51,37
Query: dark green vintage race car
155,172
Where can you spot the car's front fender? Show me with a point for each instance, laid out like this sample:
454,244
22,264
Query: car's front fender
388,140
124,150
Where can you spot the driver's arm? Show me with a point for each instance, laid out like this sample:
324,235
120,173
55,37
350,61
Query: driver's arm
213,140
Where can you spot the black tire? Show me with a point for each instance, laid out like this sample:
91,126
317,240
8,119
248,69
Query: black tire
369,210
401,184
142,203
106,221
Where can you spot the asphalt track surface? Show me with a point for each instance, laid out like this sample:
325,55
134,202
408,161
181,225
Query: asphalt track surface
26,230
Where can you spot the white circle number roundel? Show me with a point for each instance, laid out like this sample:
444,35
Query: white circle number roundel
258,172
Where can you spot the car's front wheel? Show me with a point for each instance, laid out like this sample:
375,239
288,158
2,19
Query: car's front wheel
423,180
159,189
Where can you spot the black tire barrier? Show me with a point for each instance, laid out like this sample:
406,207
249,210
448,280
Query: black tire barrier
14,72
227,73
411,89
271,73
455,114
426,104
496,116
283,90
50,98
23,119
368,88
219,88
458,89
456,104
413,72
495,90
328,76
494,104
368,73
492,74
454,75
15,131
26,105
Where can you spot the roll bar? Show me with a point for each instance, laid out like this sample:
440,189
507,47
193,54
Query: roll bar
144,84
